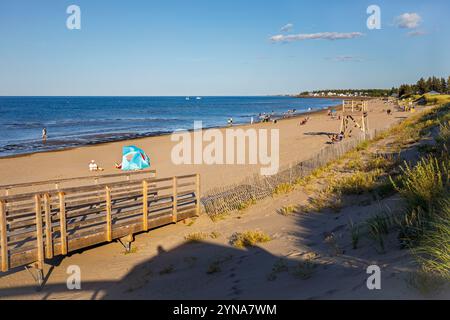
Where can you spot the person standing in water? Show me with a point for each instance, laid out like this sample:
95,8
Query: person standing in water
44,135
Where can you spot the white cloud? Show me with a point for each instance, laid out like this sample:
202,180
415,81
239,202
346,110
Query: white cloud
416,33
312,36
287,27
408,21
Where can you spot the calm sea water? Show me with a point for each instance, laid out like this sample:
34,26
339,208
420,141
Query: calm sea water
74,121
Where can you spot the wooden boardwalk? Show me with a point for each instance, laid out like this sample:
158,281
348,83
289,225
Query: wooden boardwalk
51,221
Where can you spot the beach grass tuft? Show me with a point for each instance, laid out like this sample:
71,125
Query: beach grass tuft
283,188
355,233
288,210
249,238
196,237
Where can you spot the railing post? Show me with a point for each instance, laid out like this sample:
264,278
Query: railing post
39,235
108,215
62,222
4,236
145,205
175,200
197,194
48,227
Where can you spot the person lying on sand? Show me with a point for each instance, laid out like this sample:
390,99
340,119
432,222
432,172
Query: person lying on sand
304,121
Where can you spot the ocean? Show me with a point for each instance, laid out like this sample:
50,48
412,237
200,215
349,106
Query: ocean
77,121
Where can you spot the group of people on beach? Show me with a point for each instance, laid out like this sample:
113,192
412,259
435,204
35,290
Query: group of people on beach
337,137
289,113
333,114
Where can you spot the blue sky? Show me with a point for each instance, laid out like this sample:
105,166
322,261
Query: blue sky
209,47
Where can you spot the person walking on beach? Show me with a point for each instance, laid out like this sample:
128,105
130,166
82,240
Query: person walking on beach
44,135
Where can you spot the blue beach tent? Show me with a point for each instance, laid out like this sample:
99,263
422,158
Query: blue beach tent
134,158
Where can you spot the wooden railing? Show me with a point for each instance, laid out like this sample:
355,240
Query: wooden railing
354,106
7,189
36,226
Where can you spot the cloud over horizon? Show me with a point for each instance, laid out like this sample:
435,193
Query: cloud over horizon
314,36
408,20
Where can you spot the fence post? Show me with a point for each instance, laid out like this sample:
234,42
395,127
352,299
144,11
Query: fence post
108,214
4,238
62,222
144,205
290,173
48,227
197,194
175,200
39,235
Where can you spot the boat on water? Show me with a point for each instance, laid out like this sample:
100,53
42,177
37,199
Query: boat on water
187,98
198,98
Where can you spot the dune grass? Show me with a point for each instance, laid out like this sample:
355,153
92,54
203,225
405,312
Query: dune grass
249,238
196,237
355,233
433,250
288,210
283,189
436,99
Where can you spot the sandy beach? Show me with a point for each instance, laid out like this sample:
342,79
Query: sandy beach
163,264
297,143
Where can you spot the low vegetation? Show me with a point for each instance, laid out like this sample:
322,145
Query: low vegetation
249,238
355,233
288,210
424,223
283,189
196,237
216,265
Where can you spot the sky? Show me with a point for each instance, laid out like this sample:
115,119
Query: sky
215,48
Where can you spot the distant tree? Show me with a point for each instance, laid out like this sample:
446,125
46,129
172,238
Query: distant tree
422,86
444,85
429,83
404,89
393,91
436,84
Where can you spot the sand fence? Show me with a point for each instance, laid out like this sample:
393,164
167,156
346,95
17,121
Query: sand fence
221,200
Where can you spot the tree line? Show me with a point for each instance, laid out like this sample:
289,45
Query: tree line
423,86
